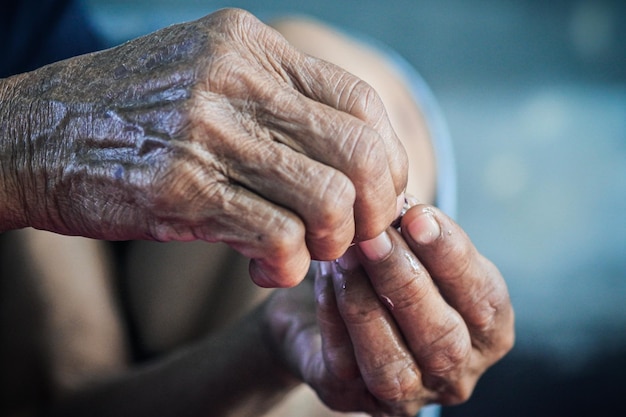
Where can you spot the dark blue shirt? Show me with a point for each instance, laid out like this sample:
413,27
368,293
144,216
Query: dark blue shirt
37,32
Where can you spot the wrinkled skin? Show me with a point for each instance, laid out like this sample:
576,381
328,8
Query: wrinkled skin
390,336
216,130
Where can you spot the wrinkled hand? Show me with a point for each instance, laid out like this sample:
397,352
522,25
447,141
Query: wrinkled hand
419,326
217,130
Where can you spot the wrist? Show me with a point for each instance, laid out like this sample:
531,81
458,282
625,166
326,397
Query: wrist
12,211
35,128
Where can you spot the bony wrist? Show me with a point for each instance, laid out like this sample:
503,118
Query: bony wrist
26,153
12,212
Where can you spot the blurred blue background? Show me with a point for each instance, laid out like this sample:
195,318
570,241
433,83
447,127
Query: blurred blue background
535,96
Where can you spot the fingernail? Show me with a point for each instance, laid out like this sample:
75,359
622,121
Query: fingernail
378,248
424,229
349,260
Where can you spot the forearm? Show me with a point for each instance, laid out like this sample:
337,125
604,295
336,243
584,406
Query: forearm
233,374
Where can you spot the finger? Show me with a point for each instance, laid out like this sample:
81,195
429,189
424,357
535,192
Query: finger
267,100
347,144
323,197
273,238
385,362
270,235
327,85
337,348
468,281
295,324
275,91
333,86
434,331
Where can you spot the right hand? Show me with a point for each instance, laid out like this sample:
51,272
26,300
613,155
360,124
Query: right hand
387,336
218,130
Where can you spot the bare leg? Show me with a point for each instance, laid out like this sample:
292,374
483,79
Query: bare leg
181,291
60,313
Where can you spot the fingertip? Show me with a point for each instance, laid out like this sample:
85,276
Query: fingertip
421,225
333,243
260,277
267,276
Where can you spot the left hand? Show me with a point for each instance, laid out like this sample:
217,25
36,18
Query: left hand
418,326
216,129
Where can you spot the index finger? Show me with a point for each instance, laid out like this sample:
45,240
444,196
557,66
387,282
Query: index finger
332,86
350,94
312,37
434,330
467,280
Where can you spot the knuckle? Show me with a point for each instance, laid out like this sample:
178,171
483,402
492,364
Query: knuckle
336,199
329,216
410,291
458,393
234,15
492,319
363,101
461,257
450,353
503,337
186,183
286,238
368,155
505,343
484,318
395,382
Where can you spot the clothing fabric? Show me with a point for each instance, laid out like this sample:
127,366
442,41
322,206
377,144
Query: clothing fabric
34,33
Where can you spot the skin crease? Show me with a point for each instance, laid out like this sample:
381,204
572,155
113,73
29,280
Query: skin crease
451,317
191,141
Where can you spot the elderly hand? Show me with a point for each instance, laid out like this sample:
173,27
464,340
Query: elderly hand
216,129
417,325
